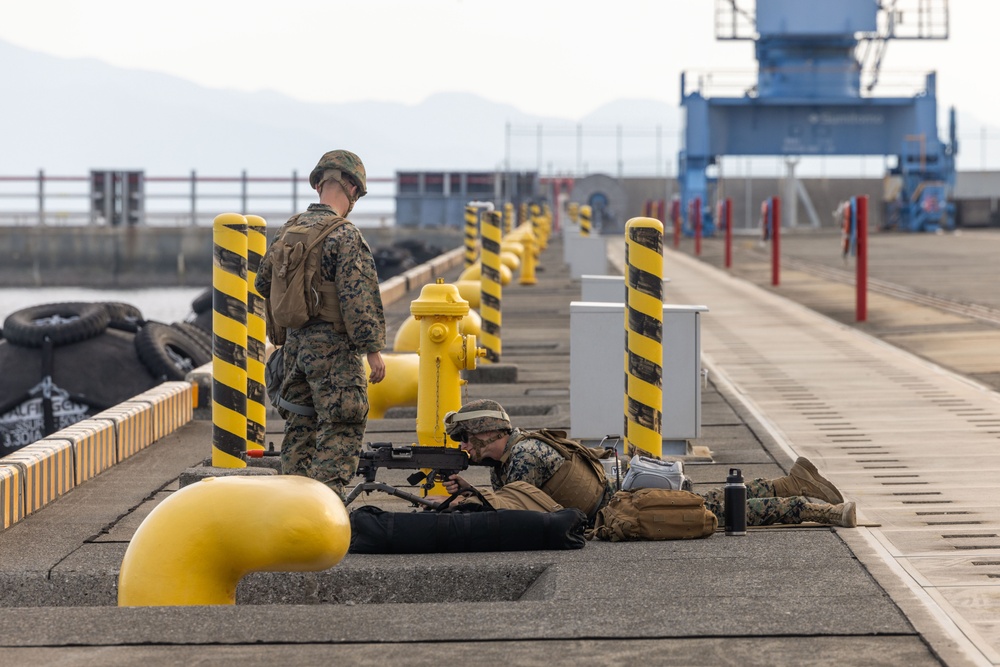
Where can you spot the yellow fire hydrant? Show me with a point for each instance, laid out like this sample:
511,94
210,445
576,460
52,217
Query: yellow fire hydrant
444,352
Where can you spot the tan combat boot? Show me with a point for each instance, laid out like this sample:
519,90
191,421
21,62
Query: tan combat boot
804,480
844,514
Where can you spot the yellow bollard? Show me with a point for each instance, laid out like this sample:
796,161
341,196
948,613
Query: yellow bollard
444,352
514,247
471,234
196,545
229,341
643,337
573,211
470,290
529,260
404,370
585,217
256,335
537,223
510,260
491,291
474,273
508,218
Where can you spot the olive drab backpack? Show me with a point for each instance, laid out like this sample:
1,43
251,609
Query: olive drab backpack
296,292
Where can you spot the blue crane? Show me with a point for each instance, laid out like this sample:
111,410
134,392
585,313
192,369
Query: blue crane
809,100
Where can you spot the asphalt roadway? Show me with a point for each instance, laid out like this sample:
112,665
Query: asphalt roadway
779,596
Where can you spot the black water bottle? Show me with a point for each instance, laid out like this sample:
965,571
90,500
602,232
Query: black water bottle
736,503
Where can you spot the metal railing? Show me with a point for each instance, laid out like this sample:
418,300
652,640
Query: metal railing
177,201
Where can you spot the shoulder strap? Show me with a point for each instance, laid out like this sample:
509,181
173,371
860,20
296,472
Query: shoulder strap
326,232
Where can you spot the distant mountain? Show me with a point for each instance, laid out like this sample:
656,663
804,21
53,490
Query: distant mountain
67,116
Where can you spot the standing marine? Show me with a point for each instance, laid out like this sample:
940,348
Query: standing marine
324,394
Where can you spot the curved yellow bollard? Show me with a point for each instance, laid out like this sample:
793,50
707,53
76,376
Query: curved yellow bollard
408,335
475,271
196,545
510,260
471,291
400,388
516,248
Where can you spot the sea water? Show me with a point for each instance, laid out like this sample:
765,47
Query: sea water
160,304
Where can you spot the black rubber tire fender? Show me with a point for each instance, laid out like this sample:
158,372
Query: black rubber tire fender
197,334
77,321
168,352
202,302
124,316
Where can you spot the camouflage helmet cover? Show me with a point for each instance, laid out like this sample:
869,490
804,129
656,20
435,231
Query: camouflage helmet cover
345,161
479,416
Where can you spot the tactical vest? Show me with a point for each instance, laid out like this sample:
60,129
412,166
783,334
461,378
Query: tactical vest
299,294
580,481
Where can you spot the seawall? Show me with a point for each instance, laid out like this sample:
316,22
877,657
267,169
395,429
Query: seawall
109,257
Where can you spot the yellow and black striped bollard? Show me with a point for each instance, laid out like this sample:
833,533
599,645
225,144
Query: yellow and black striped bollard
229,341
256,335
643,337
490,286
573,211
585,217
508,218
471,234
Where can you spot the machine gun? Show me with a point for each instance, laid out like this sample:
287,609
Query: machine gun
440,462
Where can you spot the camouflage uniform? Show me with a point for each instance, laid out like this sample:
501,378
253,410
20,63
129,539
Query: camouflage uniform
535,462
763,509
323,368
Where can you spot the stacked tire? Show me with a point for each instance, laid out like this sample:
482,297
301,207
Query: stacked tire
86,357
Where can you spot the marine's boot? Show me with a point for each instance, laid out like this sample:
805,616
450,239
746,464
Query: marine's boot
804,480
844,514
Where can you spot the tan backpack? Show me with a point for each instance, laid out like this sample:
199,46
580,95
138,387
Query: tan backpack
519,496
654,514
295,273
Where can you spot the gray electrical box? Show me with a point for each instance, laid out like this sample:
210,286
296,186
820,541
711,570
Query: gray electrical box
597,373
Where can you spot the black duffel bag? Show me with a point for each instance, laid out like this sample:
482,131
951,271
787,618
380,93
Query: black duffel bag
375,531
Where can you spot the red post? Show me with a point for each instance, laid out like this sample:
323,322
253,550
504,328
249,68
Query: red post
661,207
675,215
861,308
727,220
697,227
775,241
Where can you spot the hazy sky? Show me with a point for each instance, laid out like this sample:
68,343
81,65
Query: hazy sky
553,57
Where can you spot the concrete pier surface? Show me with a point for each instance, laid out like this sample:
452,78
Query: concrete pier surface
910,440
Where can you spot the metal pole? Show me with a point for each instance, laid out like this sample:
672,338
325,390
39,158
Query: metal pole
620,161
41,197
728,222
697,226
579,149
194,198
861,225
775,241
295,191
243,191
